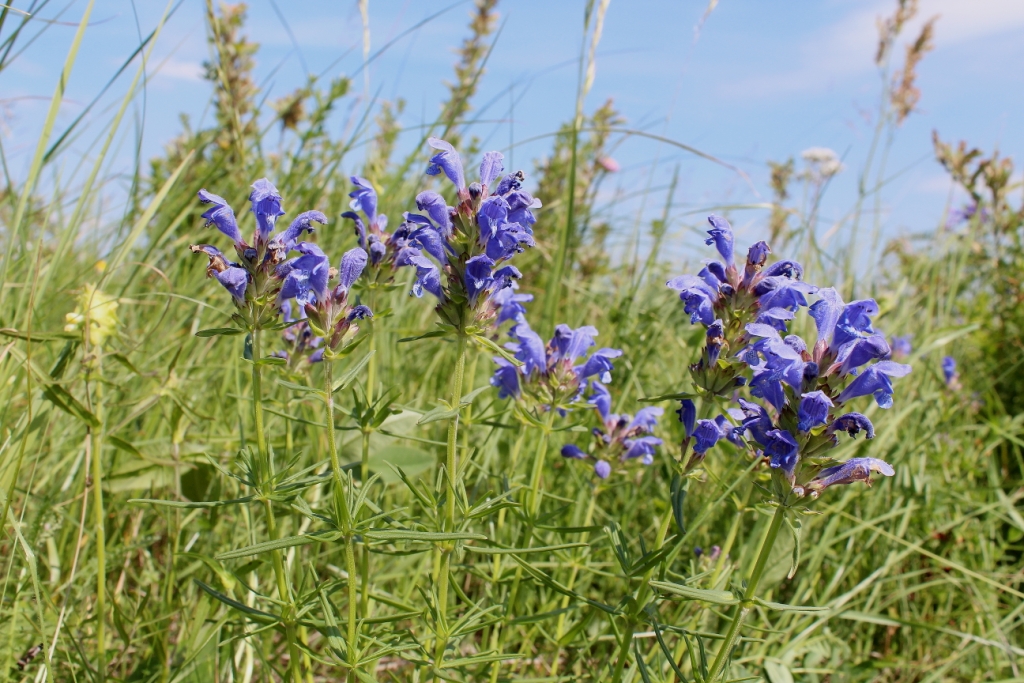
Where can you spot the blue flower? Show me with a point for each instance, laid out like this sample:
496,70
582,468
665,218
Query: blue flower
782,449
491,167
600,364
602,400
602,469
303,223
949,369
875,380
448,161
707,434
428,277
721,236
478,276
221,215
733,435
573,451
235,281
714,338
855,321
860,351
359,312
305,278
901,345
789,269
437,209
642,447
425,236
756,421
775,317
531,351
853,424
853,470
814,406
266,205
509,304
646,419
520,208
687,415
826,311
756,257
569,344
779,291
506,379
364,198
699,298
352,264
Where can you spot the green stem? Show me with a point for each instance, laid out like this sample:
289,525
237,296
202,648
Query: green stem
294,654
748,595
332,445
353,602
627,640
96,445
573,575
364,468
345,522
364,562
538,464
451,472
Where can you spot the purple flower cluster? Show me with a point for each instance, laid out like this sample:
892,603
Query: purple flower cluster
800,388
460,253
552,375
250,276
622,438
299,338
371,233
264,278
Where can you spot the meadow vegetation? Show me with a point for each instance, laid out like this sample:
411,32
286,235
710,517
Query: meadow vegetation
187,496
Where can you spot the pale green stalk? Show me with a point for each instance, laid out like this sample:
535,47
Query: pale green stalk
295,662
584,538
718,666
364,472
352,632
96,445
451,473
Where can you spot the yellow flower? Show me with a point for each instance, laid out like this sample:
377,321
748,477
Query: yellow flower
101,312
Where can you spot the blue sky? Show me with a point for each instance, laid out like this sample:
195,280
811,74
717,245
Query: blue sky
758,81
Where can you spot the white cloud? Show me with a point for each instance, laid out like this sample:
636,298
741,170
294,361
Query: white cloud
179,70
846,47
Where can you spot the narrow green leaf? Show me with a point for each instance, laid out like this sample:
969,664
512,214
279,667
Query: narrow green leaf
780,607
702,594
350,375
299,387
494,348
219,332
63,399
277,544
256,615
556,586
188,505
525,551
428,335
482,658
271,360
121,444
667,397
38,336
442,412
423,536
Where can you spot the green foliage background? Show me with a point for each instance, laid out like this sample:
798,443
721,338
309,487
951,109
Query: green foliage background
915,579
